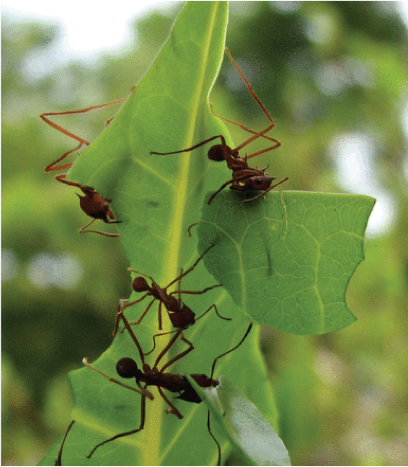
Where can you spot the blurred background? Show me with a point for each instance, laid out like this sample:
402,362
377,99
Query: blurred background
334,77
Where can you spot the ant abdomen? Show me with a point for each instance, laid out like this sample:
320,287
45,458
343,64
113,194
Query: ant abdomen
126,367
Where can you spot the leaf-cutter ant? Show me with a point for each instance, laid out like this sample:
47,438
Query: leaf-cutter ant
181,316
244,178
153,376
93,204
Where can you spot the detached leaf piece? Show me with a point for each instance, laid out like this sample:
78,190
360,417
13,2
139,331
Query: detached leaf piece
287,260
250,434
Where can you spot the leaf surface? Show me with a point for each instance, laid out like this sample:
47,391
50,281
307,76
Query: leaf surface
287,260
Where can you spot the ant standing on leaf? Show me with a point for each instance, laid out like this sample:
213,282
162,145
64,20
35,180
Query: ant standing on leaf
181,316
93,204
153,376
244,178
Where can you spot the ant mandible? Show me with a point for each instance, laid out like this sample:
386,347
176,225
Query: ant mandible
92,204
244,178
153,376
181,316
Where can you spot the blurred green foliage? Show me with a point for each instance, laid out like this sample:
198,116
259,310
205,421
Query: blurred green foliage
328,73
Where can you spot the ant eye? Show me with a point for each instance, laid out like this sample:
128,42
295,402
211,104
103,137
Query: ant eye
126,368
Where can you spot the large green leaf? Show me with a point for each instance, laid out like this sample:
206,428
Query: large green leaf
287,260
157,198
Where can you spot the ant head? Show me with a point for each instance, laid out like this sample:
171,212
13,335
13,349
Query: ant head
126,368
259,183
140,285
219,152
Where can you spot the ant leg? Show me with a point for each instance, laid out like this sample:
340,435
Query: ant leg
51,168
277,143
130,331
59,459
82,142
61,178
213,437
60,128
159,314
107,221
222,187
132,323
141,273
196,293
183,274
173,408
248,85
145,312
157,335
121,307
166,349
193,147
256,136
266,191
105,234
73,112
216,310
127,433
144,393
270,148
177,357
231,350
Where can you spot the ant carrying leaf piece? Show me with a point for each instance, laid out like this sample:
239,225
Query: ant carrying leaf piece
153,376
244,178
93,204
181,316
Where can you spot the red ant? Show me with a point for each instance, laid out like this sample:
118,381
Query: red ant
153,376
244,178
59,459
93,204
181,316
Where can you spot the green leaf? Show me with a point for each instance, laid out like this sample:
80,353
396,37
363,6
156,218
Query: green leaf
287,260
157,198
250,434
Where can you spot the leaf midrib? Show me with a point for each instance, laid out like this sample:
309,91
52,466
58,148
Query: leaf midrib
173,253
